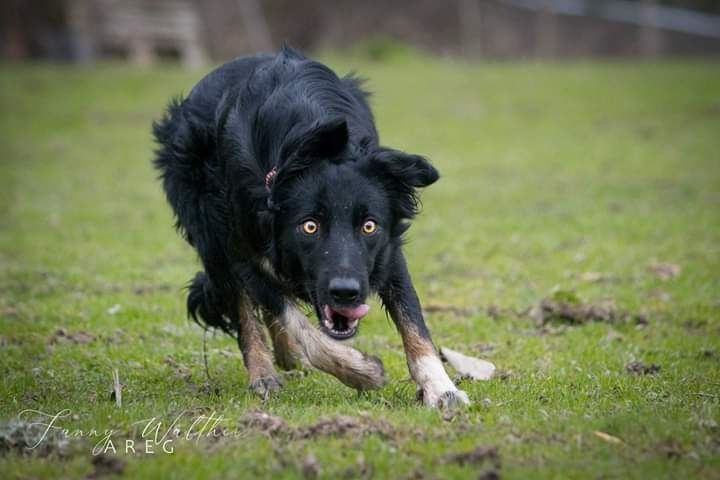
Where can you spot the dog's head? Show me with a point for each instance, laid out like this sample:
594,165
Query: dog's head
340,212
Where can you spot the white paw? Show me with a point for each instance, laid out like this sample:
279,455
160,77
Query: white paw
436,388
453,399
445,400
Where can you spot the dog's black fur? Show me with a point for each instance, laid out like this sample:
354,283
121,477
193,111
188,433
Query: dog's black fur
259,147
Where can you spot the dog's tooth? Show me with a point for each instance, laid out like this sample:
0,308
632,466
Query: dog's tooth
353,323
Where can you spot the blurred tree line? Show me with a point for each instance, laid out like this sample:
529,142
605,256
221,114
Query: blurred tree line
196,31
709,6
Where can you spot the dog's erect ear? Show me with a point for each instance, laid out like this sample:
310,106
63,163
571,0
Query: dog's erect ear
413,171
402,174
322,140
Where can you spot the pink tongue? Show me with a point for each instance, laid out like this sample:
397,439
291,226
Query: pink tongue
354,313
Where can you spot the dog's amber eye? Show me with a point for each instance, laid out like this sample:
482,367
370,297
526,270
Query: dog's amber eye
369,227
310,227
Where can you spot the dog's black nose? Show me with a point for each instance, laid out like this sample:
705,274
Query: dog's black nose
344,290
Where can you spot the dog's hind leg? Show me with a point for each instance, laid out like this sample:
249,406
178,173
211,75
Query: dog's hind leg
264,380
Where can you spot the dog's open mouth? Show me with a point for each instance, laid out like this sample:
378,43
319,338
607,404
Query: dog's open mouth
342,323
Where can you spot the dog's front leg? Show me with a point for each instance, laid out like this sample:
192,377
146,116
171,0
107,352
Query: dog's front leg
264,380
425,366
352,367
282,344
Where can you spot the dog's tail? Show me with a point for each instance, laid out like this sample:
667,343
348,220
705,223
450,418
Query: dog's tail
206,307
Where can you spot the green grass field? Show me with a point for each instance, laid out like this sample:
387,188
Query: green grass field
589,181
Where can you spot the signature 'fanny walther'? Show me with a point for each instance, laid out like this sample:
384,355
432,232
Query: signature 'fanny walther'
274,170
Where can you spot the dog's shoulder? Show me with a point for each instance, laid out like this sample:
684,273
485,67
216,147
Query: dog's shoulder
229,78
